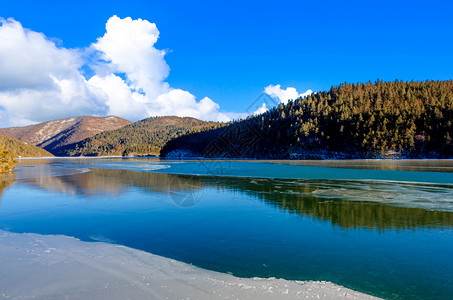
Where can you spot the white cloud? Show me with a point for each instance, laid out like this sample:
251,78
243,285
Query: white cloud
128,47
284,96
27,59
40,81
188,106
263,108
281,95
119,98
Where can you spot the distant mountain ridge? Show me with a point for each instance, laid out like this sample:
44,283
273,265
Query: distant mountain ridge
52,135
145,137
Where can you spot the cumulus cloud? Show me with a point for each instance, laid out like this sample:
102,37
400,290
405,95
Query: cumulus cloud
284,96
27,59
119,98
281,95
40,81
128,47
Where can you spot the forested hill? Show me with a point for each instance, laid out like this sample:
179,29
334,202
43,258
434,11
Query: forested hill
399,119
145,137
18,148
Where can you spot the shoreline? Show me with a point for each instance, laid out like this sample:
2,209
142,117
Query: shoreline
56,266
235,158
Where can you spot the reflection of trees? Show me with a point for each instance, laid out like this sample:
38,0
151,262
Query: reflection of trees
299,197
295,196
359,214
5,181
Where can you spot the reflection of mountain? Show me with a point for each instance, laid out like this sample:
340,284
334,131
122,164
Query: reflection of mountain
5,181
86,184
113,182
344,204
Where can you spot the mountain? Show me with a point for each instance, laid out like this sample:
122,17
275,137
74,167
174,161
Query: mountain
18,148
145,137
365,120
52,135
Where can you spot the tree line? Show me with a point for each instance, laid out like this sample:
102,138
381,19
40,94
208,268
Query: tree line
364,120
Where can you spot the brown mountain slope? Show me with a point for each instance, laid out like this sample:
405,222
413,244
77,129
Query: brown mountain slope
145,137
18,148
52,135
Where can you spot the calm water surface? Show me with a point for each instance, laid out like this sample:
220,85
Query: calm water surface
380,227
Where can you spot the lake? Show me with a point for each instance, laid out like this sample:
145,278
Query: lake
380,227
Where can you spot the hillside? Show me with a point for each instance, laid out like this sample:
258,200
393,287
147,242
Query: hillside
18,148
7,162
384,119
145,137
52,135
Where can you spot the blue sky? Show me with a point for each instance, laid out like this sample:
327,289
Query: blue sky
229,51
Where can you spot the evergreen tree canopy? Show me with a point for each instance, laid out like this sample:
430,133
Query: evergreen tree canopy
364,120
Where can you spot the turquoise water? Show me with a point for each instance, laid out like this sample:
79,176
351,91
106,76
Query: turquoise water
377,227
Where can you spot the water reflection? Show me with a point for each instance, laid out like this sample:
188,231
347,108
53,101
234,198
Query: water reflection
294,229
114,182
6,179
425,165
347,204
